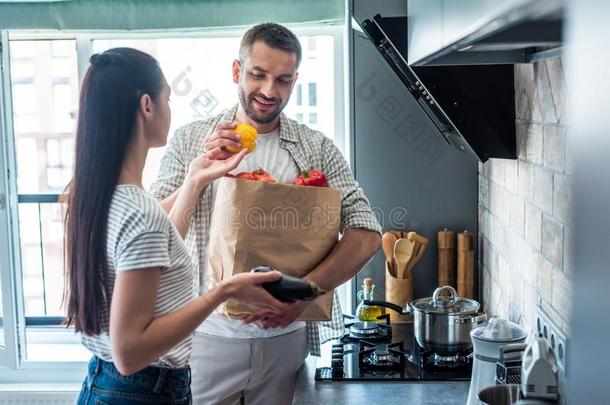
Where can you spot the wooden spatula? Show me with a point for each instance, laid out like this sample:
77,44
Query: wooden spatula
420,245
387,245
403,249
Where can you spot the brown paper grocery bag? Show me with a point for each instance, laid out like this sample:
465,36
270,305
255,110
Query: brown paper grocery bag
291,228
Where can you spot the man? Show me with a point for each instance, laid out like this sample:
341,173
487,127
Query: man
258,363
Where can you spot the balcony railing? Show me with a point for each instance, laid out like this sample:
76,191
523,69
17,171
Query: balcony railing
41,231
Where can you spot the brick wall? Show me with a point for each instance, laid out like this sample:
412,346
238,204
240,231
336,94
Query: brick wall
525,204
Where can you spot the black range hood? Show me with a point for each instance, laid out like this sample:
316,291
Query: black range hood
473,107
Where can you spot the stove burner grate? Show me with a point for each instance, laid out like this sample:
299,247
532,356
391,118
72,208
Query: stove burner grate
438,359
364,329
381,356
436,362
371,331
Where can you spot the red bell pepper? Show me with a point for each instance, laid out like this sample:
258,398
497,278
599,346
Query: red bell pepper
257,175
261,175
312,178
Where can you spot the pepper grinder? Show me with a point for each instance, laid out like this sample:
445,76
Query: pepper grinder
465,266
446,258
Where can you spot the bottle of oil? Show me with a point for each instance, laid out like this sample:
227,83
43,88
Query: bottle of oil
364,312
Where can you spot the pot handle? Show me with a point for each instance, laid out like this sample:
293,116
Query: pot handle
439,290
474,319
397,308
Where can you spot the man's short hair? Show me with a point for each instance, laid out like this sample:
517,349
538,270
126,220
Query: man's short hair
273,35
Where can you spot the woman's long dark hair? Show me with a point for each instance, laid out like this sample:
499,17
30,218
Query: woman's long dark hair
109,103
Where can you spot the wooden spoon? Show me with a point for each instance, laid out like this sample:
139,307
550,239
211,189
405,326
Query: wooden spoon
403,249
396,233
387,244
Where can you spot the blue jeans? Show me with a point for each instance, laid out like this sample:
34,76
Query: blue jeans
152,385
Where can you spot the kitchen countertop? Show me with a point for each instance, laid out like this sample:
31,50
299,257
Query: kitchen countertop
309,391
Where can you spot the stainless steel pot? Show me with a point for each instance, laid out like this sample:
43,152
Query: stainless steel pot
442,324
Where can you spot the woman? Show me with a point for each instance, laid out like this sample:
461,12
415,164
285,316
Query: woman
130,284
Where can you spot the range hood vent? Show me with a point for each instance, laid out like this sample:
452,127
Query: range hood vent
473,107
509,32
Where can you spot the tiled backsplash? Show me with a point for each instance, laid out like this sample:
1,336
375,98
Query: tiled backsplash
525,205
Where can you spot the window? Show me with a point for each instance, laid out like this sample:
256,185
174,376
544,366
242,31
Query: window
298,94
312,94
317,75
311,44
59,152
44,86
43,109
44,97
24,70
62,49
23,96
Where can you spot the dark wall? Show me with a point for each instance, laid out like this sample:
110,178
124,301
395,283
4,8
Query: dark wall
413,178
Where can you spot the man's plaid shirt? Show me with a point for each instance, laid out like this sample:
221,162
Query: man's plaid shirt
310,149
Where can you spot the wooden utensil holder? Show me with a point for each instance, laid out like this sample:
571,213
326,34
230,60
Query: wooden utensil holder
398,291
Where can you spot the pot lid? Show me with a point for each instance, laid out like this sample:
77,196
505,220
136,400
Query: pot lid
499,330
440,304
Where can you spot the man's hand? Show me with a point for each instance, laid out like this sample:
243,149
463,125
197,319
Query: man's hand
223,135
284,318
246,287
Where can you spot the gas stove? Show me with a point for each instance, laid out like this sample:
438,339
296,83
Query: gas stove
380,351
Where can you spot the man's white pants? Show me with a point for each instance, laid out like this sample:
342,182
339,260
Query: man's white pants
228,371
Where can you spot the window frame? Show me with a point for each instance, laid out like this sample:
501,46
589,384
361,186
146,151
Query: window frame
33,371
9,353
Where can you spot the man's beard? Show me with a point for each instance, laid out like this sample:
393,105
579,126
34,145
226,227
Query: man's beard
246,104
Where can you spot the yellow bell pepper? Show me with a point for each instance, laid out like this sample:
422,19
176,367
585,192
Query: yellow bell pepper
248,138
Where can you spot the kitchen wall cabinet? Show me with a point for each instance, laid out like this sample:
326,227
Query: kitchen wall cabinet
425,28
441,26
435,24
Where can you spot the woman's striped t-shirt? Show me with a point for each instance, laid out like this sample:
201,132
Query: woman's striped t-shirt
141,236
